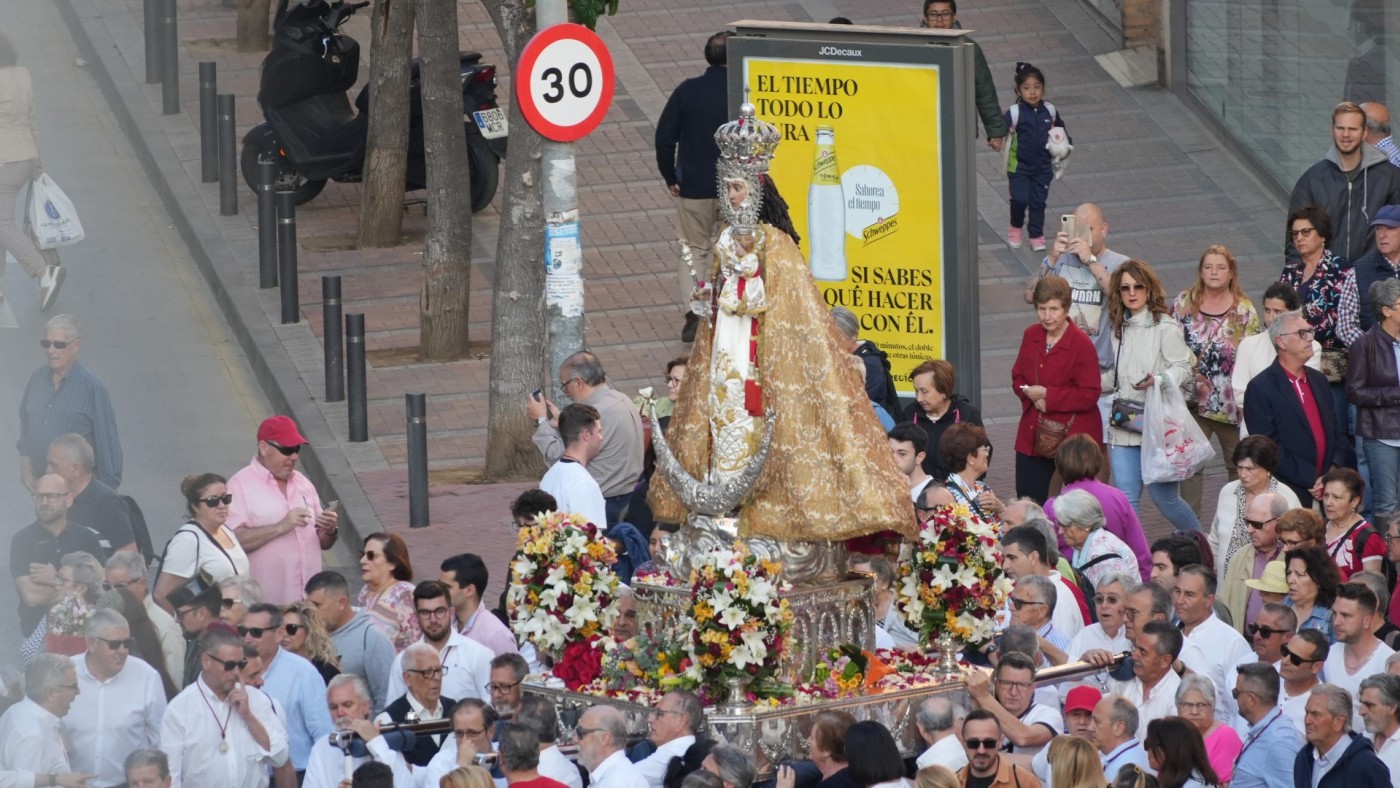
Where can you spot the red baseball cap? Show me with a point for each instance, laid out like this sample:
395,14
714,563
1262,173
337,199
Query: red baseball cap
1082,699
282,431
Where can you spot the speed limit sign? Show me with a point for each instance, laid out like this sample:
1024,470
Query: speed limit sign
564,82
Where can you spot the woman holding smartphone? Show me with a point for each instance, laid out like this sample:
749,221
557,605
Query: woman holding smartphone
1149,349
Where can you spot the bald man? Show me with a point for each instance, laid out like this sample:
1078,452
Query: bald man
1085,261
1378,130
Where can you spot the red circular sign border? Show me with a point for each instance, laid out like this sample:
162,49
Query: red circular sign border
529,57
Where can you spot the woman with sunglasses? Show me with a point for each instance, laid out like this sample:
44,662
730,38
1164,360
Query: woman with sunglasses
1312,578
387,594
304,633
1317,277
204,543
1149,350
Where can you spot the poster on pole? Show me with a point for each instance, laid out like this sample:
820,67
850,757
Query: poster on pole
869,170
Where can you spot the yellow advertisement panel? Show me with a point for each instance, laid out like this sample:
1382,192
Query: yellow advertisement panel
859,166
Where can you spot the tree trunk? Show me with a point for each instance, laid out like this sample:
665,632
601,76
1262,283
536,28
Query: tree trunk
253,35
519,344
386,151
447,256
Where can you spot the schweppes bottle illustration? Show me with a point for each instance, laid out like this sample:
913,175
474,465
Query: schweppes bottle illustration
826,212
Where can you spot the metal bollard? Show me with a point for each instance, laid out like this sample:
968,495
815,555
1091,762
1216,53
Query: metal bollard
208,122
267,224
416,411
152,33
287,256
334,339
170,58
228,157
355,376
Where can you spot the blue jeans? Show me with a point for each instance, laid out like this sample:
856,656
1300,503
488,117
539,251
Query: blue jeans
615,507
1126,462
1385,468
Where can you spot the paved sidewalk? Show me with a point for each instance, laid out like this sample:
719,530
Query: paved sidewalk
1164,182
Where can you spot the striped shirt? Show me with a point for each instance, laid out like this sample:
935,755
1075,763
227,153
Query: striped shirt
81,405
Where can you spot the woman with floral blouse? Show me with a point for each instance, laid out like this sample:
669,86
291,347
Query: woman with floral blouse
1215,314
1318,279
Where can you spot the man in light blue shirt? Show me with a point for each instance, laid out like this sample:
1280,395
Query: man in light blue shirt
1115,725
292,680
1272,741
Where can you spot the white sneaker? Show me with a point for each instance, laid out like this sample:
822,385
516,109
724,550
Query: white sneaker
49,283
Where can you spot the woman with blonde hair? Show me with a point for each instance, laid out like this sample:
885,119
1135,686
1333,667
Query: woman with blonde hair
467,777
1074,763
1215,315
936,776
304,633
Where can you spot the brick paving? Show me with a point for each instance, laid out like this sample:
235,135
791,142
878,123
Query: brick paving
1166,185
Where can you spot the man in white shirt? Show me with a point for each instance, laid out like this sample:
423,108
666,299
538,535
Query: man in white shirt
671,726
349,702
1272,628
601,734
1024,552
907,442
215,731
1301,669
1115,726
128,570
120,701
1106,638
568,480
1358,653
537,713
1009,695
507,671
1380,709
1209,645
938,720
31,736
148,768
1152,690
466,663
473,723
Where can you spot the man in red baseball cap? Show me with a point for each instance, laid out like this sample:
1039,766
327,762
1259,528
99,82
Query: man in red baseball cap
1079,711
278,516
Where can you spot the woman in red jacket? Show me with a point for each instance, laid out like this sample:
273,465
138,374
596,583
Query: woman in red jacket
1056,375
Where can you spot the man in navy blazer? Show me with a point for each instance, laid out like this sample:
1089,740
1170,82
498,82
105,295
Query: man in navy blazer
1291,405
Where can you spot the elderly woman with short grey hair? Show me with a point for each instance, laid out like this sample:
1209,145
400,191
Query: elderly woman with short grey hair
1098,552
1195,702
1373,386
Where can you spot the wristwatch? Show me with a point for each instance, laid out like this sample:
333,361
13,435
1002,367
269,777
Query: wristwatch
541,421
1093,258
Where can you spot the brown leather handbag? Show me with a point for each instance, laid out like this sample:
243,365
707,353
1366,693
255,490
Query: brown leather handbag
1049,434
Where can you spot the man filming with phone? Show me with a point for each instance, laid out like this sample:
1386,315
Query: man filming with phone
278,516
1081,256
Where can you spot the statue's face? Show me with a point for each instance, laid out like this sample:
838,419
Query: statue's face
742,199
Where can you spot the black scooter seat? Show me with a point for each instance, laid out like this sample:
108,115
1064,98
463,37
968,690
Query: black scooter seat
322,136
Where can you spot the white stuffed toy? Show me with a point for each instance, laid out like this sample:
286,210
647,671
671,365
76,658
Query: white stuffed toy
1060,149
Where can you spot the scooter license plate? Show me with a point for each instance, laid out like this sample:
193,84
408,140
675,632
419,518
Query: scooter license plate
492,123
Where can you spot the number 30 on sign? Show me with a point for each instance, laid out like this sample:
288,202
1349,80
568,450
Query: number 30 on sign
564,82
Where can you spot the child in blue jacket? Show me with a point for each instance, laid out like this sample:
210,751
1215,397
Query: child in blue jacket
1028,163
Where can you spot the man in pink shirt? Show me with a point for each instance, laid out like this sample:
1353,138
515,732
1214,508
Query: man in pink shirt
277,514
466,577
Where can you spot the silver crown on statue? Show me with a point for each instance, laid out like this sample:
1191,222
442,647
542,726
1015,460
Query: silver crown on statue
746,145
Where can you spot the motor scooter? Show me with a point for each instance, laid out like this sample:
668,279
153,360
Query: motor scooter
314,134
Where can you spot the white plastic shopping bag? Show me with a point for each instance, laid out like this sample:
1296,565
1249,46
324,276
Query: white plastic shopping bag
52,216
1173,446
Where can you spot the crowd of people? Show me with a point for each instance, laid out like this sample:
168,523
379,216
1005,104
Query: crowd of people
1258,648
